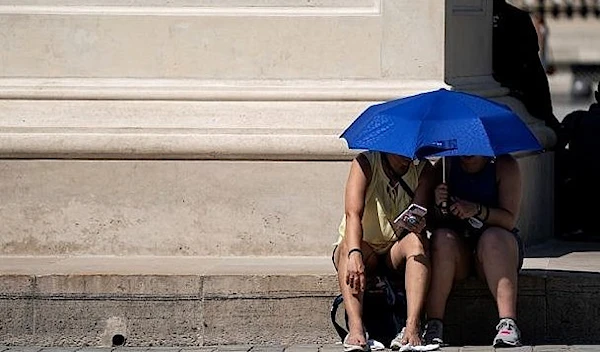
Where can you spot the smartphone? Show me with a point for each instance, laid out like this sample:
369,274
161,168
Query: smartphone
414,211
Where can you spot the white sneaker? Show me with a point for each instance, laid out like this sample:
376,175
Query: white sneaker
434,332
508,334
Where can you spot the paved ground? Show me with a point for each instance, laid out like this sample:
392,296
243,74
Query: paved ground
296,348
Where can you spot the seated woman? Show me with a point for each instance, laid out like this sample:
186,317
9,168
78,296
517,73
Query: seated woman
475,231
380,186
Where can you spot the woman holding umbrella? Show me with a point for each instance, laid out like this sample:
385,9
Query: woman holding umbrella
476,233
378,189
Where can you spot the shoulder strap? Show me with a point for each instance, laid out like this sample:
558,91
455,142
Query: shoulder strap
334,307
406,188
402,183
365,165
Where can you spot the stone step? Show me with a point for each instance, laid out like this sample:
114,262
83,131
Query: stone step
206,301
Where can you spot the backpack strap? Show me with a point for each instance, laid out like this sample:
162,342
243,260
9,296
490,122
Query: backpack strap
334,307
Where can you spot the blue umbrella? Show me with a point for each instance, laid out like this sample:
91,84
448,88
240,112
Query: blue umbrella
440,123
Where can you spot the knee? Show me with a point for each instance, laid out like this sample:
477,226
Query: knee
495,240
416,246
444,242
413,248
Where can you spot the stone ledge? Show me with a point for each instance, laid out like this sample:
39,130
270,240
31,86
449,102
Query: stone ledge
286,129
165,265
551,257
171,145
213,90
186,8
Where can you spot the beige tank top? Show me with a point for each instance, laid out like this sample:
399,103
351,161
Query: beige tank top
383,204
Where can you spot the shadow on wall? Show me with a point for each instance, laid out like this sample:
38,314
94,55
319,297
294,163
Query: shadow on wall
554,307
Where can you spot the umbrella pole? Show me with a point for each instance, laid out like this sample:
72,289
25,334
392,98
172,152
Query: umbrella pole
443,169
444,205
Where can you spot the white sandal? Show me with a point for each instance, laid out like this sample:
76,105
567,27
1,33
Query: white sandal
397,345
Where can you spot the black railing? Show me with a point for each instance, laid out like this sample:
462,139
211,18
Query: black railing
566,9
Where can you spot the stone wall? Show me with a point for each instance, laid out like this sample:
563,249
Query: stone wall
212,128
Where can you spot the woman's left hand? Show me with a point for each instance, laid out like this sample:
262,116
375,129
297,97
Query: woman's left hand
463,209
418,227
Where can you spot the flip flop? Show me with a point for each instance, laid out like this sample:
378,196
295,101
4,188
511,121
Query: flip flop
348,347
421,348
397,345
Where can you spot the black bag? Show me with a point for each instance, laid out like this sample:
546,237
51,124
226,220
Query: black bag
384,311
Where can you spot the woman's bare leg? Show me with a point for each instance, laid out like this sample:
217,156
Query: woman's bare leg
450,262
412,251
498,259
353,301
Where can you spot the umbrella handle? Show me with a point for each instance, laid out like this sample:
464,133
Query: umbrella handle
444,205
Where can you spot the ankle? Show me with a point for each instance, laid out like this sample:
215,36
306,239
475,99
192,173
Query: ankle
356,328
413,324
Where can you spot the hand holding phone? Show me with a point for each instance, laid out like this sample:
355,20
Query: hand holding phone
412,218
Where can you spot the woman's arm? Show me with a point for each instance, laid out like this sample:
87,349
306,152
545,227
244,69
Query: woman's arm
423,197
509,194
356,189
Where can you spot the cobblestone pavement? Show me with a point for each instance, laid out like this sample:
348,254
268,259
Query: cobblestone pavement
294,348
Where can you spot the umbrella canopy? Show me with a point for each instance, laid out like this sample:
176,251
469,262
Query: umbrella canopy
440,123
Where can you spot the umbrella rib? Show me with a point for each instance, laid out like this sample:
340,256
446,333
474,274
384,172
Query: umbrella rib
487,140
482,126
429,107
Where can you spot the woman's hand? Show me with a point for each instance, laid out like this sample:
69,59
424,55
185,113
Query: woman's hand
463,209
441,194
416,227
355,276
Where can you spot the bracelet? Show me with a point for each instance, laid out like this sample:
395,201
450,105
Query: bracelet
479,208
487,214
354,250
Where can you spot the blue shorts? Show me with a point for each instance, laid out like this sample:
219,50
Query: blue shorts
473,239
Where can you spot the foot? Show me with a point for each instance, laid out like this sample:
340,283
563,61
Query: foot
406,337
356,341
508,334
434,332
399,341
